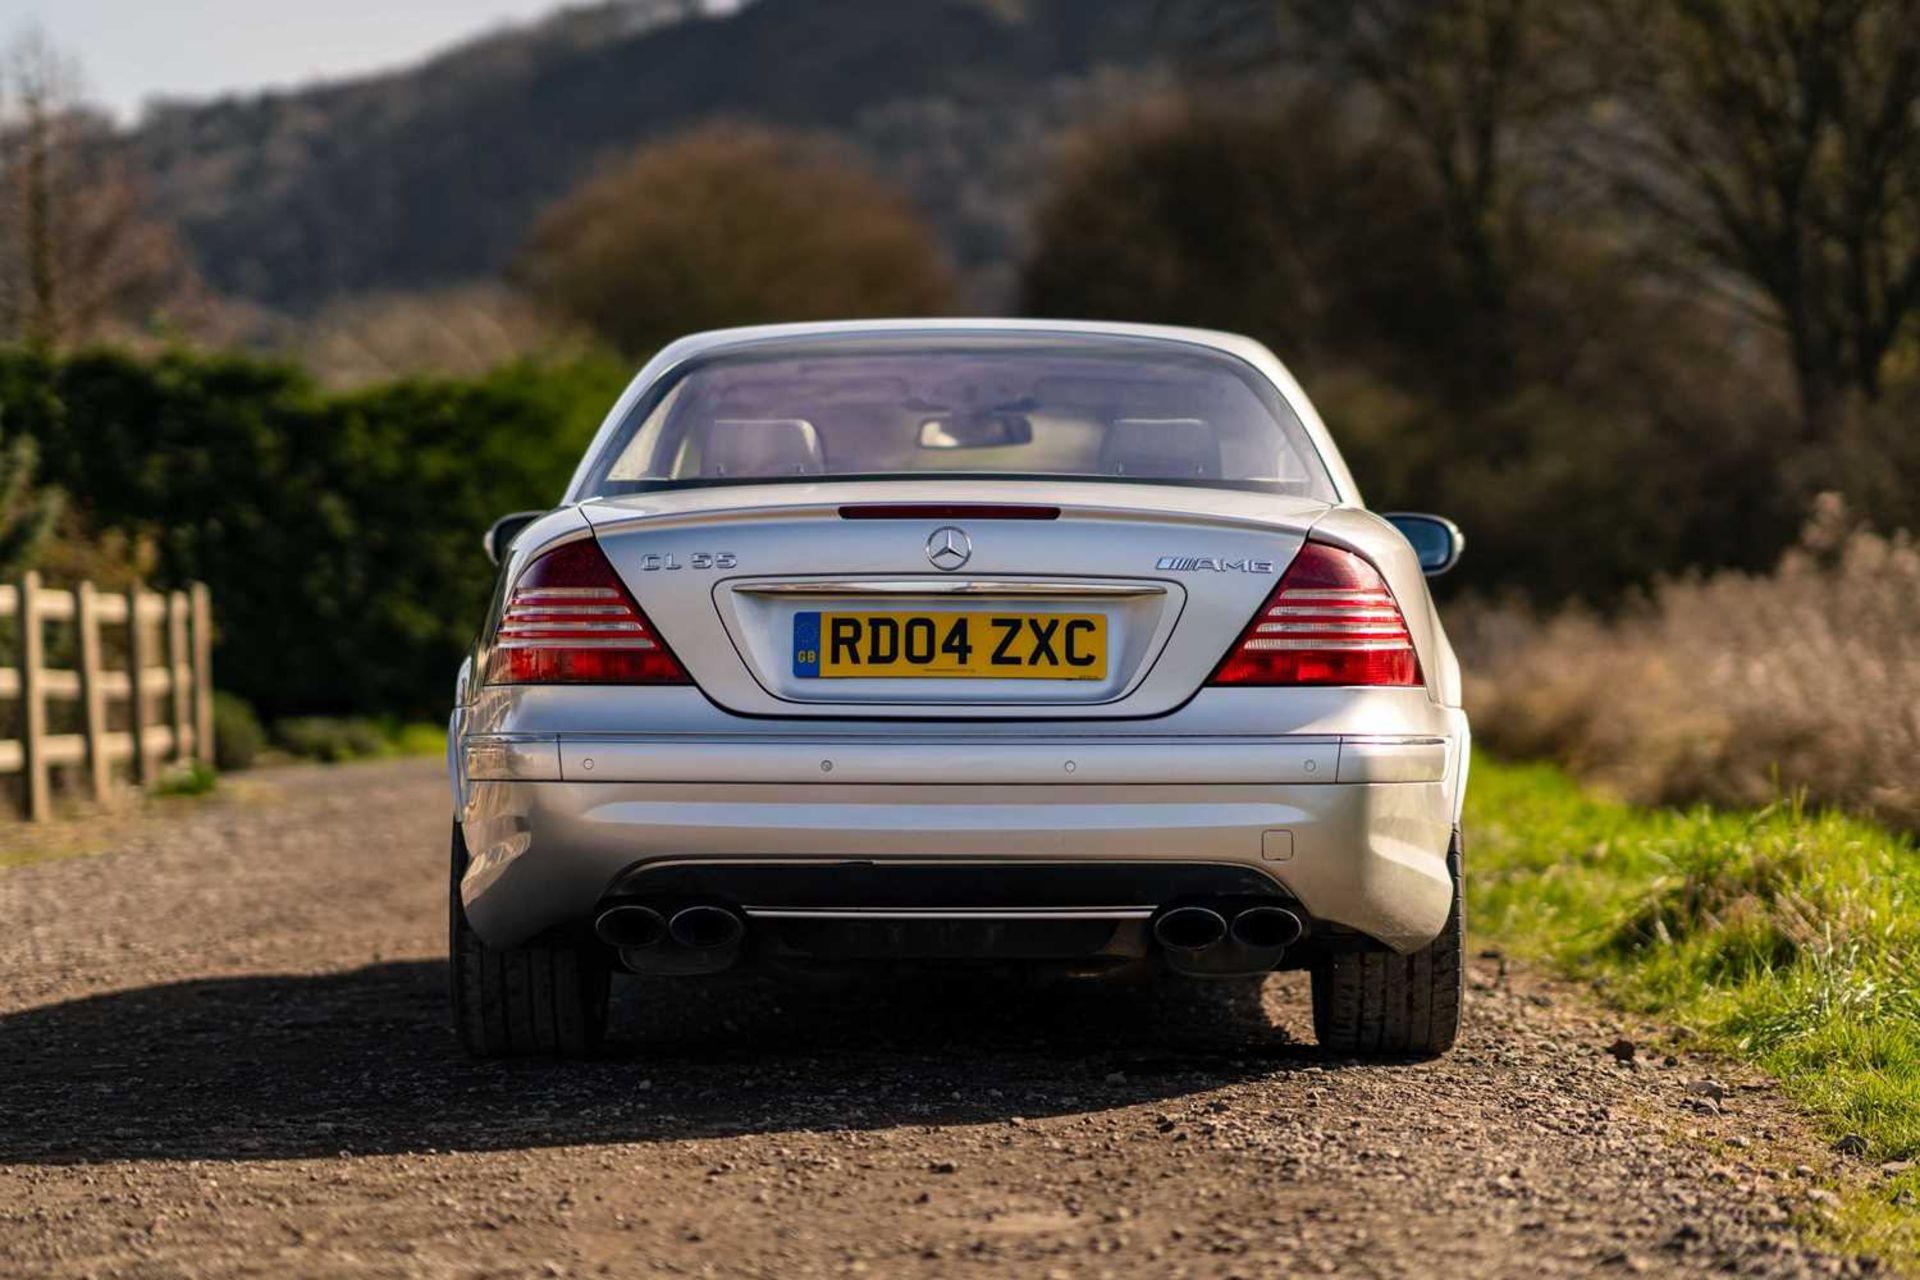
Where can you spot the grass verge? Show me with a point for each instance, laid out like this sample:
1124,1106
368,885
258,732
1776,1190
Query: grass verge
187,779
338,740
1785,936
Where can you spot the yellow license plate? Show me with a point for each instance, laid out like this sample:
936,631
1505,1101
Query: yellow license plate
890,645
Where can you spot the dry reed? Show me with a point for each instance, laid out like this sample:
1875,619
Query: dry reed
1731,688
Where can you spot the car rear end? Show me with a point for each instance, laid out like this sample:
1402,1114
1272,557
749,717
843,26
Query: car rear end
1092,722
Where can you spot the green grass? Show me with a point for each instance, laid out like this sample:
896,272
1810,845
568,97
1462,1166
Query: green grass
417,738
1788,937
339,739
190,778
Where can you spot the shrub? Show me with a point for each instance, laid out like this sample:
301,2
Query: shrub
188,778
27,511
339,533
728,226
334,740
237,734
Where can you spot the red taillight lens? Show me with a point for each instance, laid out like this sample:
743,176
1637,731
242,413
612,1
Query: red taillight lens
1330,621
571,621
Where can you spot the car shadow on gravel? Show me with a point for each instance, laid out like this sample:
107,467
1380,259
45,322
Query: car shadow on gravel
362,1062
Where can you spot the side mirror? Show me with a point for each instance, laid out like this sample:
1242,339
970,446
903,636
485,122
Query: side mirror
501,533
1438,542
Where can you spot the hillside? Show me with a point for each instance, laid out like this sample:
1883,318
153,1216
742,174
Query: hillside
434,175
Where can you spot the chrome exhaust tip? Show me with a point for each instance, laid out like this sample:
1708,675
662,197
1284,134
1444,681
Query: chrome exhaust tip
1190,929
706,928
1266,927
630,927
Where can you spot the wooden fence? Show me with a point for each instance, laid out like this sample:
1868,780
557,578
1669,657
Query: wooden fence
168,659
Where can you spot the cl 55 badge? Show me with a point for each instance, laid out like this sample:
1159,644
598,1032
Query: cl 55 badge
654,561
1195,564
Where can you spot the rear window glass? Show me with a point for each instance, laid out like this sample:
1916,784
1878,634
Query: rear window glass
1138,410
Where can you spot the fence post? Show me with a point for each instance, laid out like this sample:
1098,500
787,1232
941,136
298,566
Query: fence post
203,673
137,697
33,703
180,695
93,698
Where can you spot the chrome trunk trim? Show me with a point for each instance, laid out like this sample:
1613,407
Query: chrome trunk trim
950,587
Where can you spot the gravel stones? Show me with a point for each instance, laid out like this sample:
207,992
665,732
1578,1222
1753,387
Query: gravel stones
196,1026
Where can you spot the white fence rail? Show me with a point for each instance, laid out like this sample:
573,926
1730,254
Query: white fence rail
164,686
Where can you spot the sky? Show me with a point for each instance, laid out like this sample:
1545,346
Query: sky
132,50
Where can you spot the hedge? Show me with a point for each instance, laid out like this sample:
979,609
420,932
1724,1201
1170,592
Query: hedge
340,533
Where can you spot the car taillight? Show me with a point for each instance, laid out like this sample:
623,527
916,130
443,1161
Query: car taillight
1331,620
571,621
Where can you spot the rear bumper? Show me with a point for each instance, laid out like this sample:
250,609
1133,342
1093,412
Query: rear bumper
1030,759
1355,829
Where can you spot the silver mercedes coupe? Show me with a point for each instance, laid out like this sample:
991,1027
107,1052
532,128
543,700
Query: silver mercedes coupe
1018,643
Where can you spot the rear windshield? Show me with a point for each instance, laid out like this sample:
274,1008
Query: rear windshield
1118,409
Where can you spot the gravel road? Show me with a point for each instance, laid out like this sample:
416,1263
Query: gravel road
223,1053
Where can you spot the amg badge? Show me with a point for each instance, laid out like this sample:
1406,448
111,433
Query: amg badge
1218,564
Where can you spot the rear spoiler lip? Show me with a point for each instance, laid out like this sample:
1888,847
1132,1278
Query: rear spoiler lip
609,517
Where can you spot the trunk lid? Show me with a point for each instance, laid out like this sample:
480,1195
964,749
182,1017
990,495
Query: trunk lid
870,598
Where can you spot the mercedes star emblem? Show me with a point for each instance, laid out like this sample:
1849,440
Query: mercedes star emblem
949,548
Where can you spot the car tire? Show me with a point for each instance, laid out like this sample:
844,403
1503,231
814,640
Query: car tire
1368,1003
545,999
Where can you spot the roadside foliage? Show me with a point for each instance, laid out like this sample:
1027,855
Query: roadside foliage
1731,687
339,532
1787,935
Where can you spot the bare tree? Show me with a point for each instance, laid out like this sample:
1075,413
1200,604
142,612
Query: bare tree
1779,143
39,84
79,251
1459,82
1457,77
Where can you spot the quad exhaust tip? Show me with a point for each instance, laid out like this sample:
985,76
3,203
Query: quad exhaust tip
633,927
705,928
1266,927
1190,929
630,927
